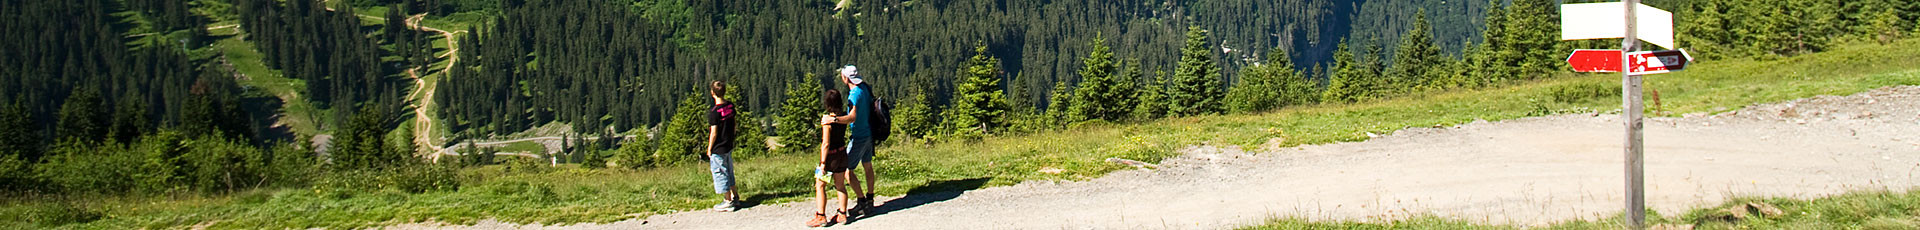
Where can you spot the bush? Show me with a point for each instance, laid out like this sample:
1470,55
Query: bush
224,166
1583,91
53,214
422,178
633,154
15,173
78,167
291,166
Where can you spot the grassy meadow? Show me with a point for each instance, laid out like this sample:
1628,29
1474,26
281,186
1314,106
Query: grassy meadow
523,191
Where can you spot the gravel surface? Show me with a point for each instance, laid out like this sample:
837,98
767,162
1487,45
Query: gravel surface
1529,171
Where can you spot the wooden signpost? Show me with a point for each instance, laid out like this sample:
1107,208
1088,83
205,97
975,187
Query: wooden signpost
1592,21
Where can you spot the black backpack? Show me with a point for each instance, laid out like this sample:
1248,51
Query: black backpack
882,120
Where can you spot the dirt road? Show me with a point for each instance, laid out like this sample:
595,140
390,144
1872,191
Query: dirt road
1526,171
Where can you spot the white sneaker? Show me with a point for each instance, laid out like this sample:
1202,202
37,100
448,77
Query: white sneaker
724,206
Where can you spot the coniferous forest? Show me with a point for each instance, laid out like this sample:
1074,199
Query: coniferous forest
143,98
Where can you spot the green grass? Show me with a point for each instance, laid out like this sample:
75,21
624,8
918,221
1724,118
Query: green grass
1854,210
568,195
528,147
300,115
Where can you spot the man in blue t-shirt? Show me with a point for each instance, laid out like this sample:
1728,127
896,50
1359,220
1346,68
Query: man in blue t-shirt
860,135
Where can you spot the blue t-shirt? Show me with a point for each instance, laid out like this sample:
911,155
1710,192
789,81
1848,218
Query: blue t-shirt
862,105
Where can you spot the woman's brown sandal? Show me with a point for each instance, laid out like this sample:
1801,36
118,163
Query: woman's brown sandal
843,218
819,220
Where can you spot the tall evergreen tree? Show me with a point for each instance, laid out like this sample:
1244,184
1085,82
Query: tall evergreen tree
1533,28
1196,88
978,102
685,136
83,117
1103,93
1343,82
1417,61
22,139
799,124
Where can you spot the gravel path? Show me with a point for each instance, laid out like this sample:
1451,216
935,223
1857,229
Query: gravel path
1526,171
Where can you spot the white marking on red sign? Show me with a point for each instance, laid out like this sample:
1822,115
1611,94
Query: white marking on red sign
1647,62
1656,62
1603,20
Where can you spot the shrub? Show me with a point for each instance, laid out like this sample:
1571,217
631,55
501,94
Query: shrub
1583,92
291,166
79,167
52,214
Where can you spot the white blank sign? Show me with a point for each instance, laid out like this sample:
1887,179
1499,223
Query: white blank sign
1608,20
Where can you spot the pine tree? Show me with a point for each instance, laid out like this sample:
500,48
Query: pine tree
1342,79
1152,97
800,115
685,136
22,139
1492,59
978,102
1887,26
1196,88
1533,29
1416,60
1102,94
362,142
1058,101
82,118
129,120
914,117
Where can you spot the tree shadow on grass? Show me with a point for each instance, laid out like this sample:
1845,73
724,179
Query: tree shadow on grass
931,192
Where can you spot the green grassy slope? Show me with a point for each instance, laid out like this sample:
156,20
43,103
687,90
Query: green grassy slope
568,195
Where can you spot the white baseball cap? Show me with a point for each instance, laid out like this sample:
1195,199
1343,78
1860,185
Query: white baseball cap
852,73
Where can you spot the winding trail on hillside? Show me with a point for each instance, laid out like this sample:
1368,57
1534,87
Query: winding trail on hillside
423,124
1529,171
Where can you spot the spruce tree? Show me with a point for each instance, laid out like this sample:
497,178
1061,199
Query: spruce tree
1058,101
1416,60
685,136
978,102
23,138
1342,79
82,117
1102,92
913,116
1152,97
1196,88
799,124
1533,29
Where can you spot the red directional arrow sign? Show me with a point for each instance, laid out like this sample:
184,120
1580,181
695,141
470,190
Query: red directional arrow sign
1586,60
1648,62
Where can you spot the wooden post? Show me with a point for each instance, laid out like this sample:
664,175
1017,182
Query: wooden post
1636,214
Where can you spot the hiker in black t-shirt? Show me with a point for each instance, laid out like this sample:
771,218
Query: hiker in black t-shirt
720,134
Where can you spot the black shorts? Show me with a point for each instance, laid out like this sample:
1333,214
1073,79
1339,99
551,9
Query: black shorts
836,160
